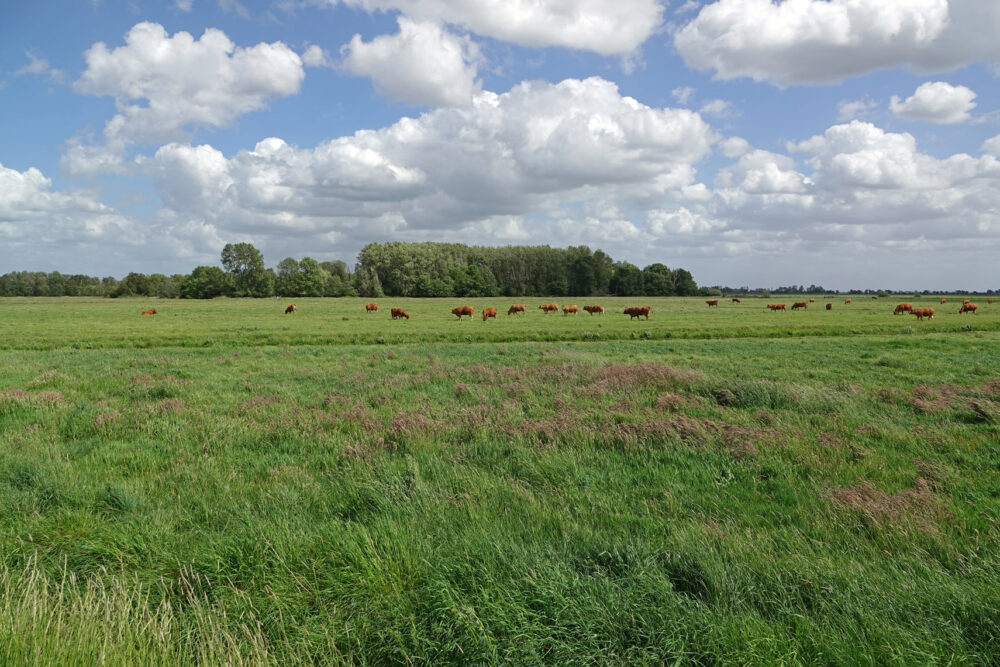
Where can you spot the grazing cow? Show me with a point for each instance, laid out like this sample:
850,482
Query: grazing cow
799,304
372,307
399,313
712,302
549,308
463,310
291,309
516,308
968,308
489,312
847,300
149,312
812,300
965,301
874,298
829,306
594,309
903,308
735,300
570,309
776,306
944,300
637,312
921,313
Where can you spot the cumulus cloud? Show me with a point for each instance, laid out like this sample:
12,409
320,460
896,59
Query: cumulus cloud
512,162
799,41
608,27
422,64
936,102
36,219
682,94
163,85
719,109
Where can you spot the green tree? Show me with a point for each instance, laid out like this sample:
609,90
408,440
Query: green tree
205,282
245,264
627,280
684,284
657,280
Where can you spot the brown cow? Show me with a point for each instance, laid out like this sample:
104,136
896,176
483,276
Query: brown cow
516,308
570,309
712,302
489,312
149,312
594,309
800,304
776,306
968,308
874,298
921,313
399,313
637,312
812,300
903,308
463,310
847,300
291,309
549,308
989,300
944,300
372,307
829,306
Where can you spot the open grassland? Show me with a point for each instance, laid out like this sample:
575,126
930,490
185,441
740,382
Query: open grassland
742,491
43,324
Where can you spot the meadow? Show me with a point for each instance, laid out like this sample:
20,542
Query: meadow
224,484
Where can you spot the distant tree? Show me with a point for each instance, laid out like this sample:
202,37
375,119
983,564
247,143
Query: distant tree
627,280
245,264
684,284
657,280
205,282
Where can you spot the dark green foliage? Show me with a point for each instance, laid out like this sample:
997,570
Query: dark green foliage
205,282
245,265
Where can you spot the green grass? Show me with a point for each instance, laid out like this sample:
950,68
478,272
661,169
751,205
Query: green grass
712,497
44,324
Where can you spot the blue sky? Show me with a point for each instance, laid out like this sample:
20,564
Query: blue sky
848,143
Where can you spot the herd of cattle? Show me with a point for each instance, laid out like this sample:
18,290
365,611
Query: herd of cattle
637,312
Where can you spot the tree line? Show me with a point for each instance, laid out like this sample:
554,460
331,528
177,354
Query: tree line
383,269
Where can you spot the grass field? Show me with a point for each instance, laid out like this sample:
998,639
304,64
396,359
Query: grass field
221,483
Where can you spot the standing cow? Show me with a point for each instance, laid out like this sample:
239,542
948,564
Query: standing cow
712,302
462,311
903,308
593,310
570,309
371,307
968,308
549,308
516,308
829,306
399,313
290,310
489,312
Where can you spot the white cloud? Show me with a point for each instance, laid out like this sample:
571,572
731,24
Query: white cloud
513,162
992,146
421,64
183,5
800,41
936,102
34,219
315,56
682,94
855,109
41,67
667,223
719,109
608,27
164,85
234,7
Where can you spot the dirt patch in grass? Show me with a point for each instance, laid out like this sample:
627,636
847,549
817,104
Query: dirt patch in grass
930,400
617,378
103,419
170,405
694,432
918,505
47,378
26,398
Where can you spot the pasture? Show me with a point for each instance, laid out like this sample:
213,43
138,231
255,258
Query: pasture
223,483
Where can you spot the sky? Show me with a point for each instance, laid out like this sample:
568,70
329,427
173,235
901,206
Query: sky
845,143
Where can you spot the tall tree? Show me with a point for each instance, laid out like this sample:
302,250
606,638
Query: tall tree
245,264
657,280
